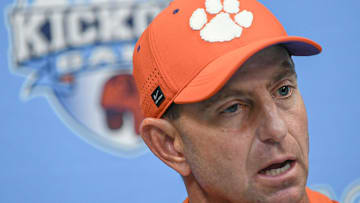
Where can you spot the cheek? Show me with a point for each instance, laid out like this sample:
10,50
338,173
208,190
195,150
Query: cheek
298,125
213,155
216,145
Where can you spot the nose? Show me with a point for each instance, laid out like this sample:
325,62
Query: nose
272,126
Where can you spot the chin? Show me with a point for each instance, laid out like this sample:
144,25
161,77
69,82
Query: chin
289,195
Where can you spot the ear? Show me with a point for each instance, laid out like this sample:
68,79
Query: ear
165,142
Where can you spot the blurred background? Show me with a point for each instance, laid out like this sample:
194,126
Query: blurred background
64,63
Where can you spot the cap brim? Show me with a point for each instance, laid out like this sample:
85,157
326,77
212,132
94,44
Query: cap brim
214,76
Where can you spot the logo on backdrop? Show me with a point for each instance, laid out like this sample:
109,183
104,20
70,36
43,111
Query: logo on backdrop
78,54
351,193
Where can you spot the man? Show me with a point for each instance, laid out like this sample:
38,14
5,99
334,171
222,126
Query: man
219,91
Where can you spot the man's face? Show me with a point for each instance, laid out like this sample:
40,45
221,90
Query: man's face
249,142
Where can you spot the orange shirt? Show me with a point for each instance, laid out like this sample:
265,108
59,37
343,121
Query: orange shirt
314,197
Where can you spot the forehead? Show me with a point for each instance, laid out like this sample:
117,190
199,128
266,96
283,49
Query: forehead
274,56
265,67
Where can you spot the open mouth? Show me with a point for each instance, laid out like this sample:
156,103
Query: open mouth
278,168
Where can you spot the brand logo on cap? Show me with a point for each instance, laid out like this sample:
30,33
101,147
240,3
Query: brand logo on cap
158,96
228,23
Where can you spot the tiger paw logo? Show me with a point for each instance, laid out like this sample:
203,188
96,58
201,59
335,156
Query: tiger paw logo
78,54
227,24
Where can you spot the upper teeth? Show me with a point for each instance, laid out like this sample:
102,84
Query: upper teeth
275,172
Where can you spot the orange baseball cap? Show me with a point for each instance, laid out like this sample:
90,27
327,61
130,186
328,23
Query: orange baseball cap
193,47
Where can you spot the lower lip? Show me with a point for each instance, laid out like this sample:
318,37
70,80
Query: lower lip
279,179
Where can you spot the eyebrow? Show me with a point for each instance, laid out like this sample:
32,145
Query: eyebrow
222,94
287,71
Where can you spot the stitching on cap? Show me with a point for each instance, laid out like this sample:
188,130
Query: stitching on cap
152,81
157,56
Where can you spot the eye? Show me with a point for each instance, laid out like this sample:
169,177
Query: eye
284,91
232,109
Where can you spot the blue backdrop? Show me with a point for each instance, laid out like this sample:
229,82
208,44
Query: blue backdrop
42,160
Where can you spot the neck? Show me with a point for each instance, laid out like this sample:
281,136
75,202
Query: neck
196,193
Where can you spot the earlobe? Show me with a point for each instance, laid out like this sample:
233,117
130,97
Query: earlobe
165,142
